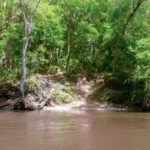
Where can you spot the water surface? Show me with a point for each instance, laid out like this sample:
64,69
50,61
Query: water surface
76,130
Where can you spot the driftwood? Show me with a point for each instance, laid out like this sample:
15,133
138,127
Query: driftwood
9,98
19,105
4,105
8,93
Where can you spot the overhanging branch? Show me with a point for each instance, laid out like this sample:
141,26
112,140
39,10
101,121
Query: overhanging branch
132,14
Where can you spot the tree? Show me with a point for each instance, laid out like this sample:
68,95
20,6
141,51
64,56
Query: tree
8,19
72,14
28,26
136,6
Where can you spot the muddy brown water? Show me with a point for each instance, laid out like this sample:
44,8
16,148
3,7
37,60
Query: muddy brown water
74,130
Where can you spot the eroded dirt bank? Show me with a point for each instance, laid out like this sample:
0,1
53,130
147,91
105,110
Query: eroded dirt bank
57,92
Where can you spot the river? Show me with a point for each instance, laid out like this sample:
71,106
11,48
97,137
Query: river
74,130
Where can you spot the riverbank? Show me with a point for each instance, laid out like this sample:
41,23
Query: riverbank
55,92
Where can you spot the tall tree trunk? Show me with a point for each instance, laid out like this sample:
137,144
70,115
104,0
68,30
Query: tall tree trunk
93,51
28,31
146,90
9,57
69,50
24,67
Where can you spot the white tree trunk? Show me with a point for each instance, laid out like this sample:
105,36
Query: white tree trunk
24,67
28,31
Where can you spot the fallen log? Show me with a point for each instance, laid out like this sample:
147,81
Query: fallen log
4,105
28,105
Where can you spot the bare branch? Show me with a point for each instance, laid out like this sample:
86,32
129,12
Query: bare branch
131,15
23,11
33,12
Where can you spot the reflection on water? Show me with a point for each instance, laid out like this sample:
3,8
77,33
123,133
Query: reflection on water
77,130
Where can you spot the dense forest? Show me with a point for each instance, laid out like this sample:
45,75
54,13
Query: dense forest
98,38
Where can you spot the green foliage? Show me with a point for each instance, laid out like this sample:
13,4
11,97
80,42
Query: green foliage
110,95
101,95
8,74
137,99
60,97
32,84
